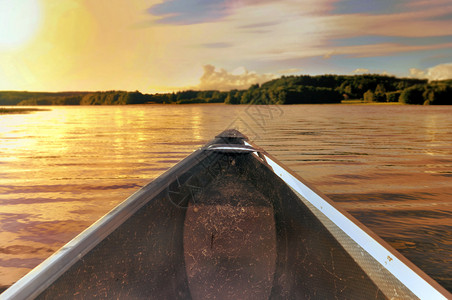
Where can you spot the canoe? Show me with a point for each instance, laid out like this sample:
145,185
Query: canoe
227,222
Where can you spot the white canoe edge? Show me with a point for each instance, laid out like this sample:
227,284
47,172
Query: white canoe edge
42,276
412,280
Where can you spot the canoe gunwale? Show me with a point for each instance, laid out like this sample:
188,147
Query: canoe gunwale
416,280
42,276
231,148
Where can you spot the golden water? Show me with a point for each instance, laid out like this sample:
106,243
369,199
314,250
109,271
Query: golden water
389,166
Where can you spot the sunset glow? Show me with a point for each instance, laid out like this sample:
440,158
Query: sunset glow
157,46
19,22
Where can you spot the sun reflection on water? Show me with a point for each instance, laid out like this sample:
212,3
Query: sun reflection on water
64,168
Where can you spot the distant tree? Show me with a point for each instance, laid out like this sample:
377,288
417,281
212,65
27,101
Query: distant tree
392,96
234,97
285,90
438,93
380,88
369,96
136,98
186,95
218,97
348,90
412,95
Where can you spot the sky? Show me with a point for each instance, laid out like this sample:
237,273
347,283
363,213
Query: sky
168,45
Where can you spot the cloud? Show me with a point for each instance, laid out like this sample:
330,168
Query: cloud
328,54
417,73
438,72
257,25
184,12
222,80
289,71
386,73
217,45
361,71
414,21
366,6
367,50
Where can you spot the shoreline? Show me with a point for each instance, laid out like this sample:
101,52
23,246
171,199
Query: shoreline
33,108
5,111
362,102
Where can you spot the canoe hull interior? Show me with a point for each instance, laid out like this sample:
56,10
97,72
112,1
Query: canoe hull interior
227,228
227,222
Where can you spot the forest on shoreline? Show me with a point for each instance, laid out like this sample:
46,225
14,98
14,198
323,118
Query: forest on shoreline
302,89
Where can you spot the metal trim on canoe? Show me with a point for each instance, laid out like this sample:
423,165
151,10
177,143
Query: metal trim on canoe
228,148
422,285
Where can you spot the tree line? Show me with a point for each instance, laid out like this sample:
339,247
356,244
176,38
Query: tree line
301,89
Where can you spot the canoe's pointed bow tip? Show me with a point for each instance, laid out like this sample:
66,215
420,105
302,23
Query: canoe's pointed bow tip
232,133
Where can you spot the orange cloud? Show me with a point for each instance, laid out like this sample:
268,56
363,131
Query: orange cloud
438,72
417,73
361,71
222,80
385,49
416,21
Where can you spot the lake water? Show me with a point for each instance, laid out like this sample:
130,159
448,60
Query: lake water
390,166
